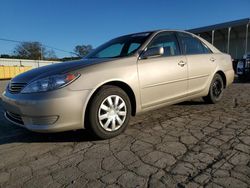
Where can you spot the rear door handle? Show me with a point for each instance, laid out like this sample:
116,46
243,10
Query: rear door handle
212,59
182,63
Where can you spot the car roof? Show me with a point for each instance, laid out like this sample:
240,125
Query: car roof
156,31
173,30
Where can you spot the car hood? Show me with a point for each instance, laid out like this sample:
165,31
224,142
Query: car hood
57,68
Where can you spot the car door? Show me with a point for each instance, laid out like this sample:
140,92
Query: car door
201,62
163,78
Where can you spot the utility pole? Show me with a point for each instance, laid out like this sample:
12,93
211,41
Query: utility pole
41,50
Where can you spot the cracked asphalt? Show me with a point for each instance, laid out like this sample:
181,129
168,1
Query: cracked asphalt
191,144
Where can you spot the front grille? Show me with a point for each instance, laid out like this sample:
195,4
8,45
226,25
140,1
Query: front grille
14,117
46,120
16,87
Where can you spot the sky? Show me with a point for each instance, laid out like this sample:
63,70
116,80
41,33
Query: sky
63,24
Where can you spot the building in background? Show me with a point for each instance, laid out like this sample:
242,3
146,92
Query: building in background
230,37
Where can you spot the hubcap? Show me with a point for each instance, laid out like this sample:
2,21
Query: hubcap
217,88
112,113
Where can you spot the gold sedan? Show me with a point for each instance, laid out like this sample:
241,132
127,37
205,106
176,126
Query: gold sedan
125,76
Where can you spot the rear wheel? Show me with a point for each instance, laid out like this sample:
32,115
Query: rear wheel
215,91
109,112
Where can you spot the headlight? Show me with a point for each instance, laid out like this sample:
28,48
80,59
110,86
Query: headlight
50,83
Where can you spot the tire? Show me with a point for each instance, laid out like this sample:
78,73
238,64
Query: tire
216,90
105,118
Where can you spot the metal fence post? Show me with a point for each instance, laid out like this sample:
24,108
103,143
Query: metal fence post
246,38
213,37
228,39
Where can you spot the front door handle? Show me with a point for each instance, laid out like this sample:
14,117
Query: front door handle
212,59
182,63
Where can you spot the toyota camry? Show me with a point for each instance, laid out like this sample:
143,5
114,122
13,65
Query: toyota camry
124,77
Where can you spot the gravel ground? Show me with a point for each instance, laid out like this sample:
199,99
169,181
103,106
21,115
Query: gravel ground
191,144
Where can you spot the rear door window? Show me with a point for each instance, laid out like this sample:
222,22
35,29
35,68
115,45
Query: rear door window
191,45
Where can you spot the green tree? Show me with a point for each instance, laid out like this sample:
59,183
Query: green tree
83,50
33,50
50,55
5,56
30,50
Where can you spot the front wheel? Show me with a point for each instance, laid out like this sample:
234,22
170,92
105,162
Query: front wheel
215,91
109,112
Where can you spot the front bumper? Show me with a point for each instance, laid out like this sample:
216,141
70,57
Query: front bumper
54,111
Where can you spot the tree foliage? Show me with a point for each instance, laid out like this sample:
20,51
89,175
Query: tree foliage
33,50
83,50
29,50
37,51
51,55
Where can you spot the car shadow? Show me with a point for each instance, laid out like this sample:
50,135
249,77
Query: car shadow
24,136
10,133
191,103
242,81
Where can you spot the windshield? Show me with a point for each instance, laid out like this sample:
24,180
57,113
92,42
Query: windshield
120,47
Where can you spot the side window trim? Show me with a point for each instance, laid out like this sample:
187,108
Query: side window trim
205,46
179,43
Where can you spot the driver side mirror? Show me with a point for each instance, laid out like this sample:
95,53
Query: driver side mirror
152,52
